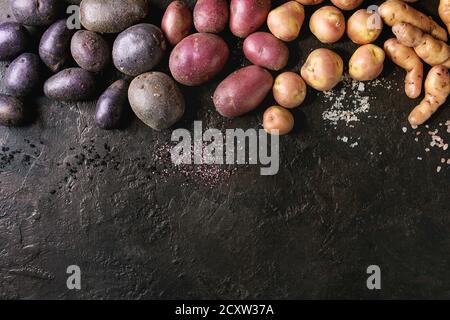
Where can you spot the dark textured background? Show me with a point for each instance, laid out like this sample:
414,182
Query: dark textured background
112,203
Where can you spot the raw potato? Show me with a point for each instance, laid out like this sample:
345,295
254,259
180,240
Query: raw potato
394,12
278,121
327,24
22,75
198,58
264,50
406,58
11,111
112,105
363,27
247,16
285,22
367,63
73,84
35,12
323,69
242,91
444,12
112,16
54,47
139,49
289,90
432,51
13,40
309,2
156,100
90,51
177,22
437,89
347,4
211,15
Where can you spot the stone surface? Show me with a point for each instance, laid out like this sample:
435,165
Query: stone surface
112,203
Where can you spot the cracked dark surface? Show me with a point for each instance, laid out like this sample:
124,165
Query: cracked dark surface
138,228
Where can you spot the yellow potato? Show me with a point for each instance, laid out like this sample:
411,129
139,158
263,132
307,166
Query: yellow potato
347,4
278,121
367,63
327,24
289,90
285,21
363,27
323,69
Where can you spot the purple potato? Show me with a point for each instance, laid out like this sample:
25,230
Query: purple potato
73,84
22,76
55,44
139,49
90,51
211,15
111,106
13,40
265,50
36,12
156,100
11,111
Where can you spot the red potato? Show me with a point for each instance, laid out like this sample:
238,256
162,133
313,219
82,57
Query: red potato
364,27
347,4
367,63
309,2
198,58
247,16
285,21
177,22
242,91
289,90
264,50
278,121
327,24
323,69
211,15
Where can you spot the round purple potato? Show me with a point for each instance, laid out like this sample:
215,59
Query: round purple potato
139,49
156,100
242,91
198,58
177,22
211,15
73,84
11,111
111,106
265,50
35,12
22,76
55,44
13,40
90,51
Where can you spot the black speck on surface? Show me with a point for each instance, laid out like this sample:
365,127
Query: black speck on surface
112,203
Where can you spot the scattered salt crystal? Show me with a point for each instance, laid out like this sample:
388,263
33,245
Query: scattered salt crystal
438,169
345,139
353,145
404,129
419,158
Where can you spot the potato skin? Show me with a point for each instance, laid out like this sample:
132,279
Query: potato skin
198,58
111,106
367,63
139,49
327,24
156,100
22,75
278,121
323,69
13,40
247,16
90,51
73,84
106,16
177,22
55,45
242,91
34,12
265,50
285,21
347,4
211,15
361,30
11,111
289,90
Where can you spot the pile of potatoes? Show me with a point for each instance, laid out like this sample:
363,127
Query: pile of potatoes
197,53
